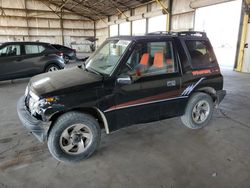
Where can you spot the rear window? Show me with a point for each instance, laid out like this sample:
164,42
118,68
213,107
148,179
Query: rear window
201,54
34,49
65,48
57,46
50,47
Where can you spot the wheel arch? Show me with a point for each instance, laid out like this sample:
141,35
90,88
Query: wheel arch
210,91
93,111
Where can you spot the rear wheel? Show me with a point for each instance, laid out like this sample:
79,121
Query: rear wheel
52,68
199,111
66,58
74,137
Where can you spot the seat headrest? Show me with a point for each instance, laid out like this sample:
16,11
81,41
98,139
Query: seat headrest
144,59
158,60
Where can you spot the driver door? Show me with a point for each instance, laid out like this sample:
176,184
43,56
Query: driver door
155,84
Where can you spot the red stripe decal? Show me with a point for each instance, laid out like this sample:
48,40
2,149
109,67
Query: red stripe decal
200,72
161,96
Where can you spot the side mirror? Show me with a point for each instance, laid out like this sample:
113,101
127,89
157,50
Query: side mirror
124,80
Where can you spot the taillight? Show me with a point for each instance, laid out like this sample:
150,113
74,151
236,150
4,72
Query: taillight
59,53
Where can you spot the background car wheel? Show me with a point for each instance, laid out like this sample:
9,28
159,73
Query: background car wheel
52,68
66,58
199,111
74,137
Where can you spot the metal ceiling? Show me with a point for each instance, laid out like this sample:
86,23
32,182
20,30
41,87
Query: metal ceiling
95,10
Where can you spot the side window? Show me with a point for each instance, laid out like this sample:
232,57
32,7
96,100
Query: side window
34,49
151,58
201,54
10,50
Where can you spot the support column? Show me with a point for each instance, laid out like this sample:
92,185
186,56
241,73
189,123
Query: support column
62,28
169,20
27,19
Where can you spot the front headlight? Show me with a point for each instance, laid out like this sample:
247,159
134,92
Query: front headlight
36,105
33,103
33,95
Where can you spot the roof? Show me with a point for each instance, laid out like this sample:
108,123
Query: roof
99,9
160,34
21,42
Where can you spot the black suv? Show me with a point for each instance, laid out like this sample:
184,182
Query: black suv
25,59
128,80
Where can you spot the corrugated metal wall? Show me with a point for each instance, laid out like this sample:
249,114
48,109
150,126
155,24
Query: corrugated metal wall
32,20
182,17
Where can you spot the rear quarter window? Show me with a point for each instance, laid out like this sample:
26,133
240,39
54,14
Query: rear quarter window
34,49
201,54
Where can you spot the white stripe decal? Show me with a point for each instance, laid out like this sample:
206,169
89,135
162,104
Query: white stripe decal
190,88
145,103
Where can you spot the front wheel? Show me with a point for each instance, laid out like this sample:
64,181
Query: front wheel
199,111
74,137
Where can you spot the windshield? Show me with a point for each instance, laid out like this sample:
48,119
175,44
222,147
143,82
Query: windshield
105,59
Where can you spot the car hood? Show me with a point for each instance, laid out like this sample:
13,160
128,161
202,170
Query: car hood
62,81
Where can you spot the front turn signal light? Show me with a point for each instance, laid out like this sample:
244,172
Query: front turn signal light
50,99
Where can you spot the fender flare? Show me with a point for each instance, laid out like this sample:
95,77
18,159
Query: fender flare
98,114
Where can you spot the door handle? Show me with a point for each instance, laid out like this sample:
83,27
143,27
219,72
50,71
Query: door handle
171,83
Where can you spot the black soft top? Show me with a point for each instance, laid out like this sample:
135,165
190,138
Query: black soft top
163,34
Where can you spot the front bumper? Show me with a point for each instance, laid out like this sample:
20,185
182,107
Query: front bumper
220,95
35,126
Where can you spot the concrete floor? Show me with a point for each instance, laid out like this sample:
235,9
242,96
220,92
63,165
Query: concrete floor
160,155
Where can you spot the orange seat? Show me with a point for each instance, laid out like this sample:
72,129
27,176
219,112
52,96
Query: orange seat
158,60
169,62
144,59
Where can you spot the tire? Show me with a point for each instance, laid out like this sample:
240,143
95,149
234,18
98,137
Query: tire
199,111
66,59
52,68
61,138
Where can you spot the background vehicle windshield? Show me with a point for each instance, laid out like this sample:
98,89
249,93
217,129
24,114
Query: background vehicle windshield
107,56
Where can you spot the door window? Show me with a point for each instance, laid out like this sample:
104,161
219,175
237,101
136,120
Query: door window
152,58
34,49
201,54
10,50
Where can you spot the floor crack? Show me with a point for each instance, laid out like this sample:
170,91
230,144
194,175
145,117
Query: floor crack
230,118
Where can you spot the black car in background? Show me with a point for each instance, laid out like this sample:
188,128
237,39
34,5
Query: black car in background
25,59
68,53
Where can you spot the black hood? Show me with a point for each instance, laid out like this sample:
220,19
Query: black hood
62,81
